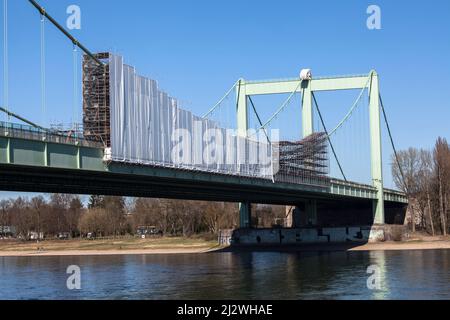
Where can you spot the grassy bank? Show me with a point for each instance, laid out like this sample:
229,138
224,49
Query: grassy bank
128,245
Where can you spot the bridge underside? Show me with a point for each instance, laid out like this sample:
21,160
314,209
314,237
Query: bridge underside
332,210
47,166
60,180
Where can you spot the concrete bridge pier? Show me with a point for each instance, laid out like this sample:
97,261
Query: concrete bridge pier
245,214
304,214
311,212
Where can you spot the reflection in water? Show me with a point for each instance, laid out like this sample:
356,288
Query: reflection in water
378,259
258,275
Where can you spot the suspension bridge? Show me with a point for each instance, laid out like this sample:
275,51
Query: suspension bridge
134,143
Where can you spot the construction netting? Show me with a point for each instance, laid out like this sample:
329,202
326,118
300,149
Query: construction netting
140,124
305,161
148,127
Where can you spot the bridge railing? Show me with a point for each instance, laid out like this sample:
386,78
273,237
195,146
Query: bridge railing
21,131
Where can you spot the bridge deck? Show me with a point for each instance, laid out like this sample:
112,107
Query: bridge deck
35,162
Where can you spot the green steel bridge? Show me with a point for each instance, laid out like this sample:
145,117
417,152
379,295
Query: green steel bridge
32,160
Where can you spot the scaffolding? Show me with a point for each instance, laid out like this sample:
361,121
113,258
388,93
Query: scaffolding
305,161
96,99
69,129
128,114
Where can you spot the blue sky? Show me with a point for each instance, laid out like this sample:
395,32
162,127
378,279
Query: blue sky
198,49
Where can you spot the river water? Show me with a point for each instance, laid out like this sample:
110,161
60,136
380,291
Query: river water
256,275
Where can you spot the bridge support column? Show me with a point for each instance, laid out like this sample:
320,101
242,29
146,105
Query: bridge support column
46,155
8,151
242,111
375,143
307,109
245,215
289,221
311,212
242,126
79,164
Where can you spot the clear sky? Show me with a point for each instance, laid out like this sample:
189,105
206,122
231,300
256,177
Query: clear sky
198,49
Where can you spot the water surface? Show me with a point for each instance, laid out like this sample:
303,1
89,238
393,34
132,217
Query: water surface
258,275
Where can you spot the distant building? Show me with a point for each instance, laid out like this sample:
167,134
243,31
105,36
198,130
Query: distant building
7,231
32,235
64,235
148,231
225,236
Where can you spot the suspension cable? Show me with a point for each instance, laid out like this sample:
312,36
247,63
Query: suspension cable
259,119
282,107
43,75
18,117
221,100
67,34
238,94
75,87
393,144
5,58
355,104
328,136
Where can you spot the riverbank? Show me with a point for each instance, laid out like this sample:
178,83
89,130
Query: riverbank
130,246
194,246
406,245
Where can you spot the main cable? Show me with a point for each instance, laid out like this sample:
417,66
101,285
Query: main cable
282,107
222,99
393,144
259,119
328,137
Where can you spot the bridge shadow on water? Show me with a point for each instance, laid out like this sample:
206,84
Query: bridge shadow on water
292,248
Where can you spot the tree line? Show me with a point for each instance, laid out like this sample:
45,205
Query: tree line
106,216
114,216
424,175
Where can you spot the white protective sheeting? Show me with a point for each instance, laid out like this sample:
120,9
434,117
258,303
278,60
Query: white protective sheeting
148,128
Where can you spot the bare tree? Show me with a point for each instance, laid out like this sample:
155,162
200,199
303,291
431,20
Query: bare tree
425,181
94,220
406,174
442,171
38,209
5,206
73,215
21,217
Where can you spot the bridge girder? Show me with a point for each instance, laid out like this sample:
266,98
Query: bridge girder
38,166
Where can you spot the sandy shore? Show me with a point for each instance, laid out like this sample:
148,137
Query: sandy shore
102,252
348,247
131,246
388,246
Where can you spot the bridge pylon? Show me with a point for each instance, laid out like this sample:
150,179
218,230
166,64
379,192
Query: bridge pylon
245,89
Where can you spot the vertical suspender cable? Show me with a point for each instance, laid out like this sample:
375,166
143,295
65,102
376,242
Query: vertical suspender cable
43,76
5,58
60,28
75,88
